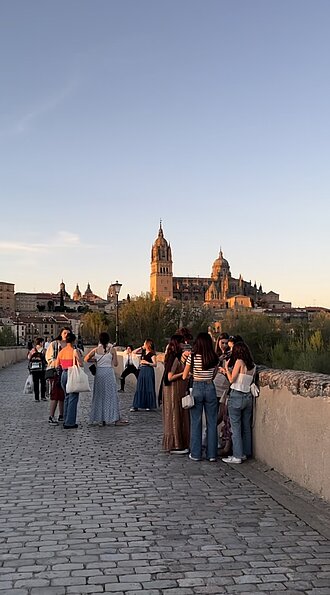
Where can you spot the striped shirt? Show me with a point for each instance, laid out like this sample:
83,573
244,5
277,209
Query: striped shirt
198,372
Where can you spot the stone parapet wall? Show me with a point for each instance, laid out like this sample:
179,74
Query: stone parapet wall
12,355
291,430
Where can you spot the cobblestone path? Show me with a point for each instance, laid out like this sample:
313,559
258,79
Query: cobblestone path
97,510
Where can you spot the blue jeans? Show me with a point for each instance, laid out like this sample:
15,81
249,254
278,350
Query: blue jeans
240,413
205,399
70,402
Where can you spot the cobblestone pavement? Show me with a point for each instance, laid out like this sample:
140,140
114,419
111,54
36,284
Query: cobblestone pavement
102,510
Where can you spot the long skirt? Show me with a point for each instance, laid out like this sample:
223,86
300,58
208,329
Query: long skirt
176,421
105,404
145,394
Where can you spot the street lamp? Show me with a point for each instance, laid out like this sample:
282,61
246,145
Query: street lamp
117,286
17,329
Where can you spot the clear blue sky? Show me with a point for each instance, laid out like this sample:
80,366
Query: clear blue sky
211,114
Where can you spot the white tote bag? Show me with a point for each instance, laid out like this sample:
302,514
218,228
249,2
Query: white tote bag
77,381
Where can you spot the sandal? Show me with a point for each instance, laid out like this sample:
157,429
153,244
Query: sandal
121,422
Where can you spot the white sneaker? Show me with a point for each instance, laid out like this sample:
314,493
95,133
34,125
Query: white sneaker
193,458
182,451
232,460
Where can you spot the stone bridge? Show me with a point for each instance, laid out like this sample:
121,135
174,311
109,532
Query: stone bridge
103,510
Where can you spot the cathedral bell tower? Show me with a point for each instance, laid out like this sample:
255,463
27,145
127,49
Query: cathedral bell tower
161,276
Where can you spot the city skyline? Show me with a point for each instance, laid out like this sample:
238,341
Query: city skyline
211,116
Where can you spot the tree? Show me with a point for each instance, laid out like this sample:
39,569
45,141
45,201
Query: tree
7,337
94,323
143,318
158,319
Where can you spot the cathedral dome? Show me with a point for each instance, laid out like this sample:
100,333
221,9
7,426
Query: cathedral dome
63,291
220,266
88,290
77,294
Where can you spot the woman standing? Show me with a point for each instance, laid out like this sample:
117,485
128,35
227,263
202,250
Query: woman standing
55,388
176,426
105,403
240,401
37,367
145,394
203,362
68,357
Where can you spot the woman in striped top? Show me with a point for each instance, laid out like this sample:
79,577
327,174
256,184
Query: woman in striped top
203,364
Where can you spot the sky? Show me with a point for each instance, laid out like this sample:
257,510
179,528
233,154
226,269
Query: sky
212,115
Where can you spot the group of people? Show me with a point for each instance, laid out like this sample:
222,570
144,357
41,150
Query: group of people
51,366
219,375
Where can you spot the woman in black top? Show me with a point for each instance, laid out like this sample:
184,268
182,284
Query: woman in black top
145,394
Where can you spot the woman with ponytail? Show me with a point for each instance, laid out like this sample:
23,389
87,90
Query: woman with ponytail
105,404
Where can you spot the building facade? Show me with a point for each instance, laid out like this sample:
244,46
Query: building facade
220,290
7,298
161,276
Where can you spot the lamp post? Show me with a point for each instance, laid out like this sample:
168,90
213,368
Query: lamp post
117,287
17,329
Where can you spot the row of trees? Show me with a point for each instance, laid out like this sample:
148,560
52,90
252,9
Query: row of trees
296,345
275,343
143,317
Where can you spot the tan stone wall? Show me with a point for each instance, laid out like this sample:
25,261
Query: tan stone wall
12,355
292,427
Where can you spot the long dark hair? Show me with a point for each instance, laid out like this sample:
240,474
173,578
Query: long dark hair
241,351
71,337
173,351
104,340
63,328
203,346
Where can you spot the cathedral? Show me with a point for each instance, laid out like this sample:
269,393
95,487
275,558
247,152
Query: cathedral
221,290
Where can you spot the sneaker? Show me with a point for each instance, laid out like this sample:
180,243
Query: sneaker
232,460
147,409
52,421
121,390
180,451
193,458
43,398
212,460
133,409
70,427
244,457
60,418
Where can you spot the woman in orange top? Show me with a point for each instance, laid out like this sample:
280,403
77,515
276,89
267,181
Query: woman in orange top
67,357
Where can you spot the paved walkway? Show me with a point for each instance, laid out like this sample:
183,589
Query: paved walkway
99,510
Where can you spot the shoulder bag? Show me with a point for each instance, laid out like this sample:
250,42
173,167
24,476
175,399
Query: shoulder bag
254,388
92,367
188,400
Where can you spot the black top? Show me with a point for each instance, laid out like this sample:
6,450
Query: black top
148,356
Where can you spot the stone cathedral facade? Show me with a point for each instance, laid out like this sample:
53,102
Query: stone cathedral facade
220,290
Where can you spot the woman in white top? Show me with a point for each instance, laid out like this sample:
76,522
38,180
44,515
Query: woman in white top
240,377
105,404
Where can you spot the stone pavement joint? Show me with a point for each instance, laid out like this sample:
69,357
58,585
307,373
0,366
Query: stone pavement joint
103,510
